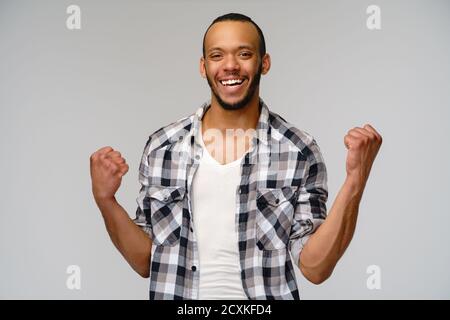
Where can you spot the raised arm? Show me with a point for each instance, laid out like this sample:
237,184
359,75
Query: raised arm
107,169
327,245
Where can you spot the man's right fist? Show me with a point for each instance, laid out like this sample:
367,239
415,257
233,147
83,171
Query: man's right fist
107,169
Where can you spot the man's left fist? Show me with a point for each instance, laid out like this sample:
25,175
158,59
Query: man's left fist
363,145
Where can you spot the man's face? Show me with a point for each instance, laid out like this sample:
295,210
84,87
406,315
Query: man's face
232,65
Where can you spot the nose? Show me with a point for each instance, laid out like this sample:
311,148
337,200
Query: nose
231,63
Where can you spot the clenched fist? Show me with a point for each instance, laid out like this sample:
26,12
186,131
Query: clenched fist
107,169
363,145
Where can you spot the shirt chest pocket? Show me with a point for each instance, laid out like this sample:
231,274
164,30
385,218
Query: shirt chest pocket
274,216
166,205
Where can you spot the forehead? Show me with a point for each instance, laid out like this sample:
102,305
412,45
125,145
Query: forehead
231,35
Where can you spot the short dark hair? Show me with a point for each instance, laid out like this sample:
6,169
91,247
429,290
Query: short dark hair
242,18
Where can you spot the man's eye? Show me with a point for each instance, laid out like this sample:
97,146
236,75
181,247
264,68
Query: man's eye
215,56
246,54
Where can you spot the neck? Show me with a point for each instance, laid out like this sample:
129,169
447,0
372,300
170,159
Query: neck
219,118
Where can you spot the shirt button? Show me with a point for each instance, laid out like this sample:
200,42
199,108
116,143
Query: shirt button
277,201
197,157
192,230
193,268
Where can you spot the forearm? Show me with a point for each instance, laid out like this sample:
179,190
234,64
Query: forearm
327,245
132,242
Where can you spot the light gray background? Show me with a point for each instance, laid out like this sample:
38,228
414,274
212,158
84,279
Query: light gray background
133,67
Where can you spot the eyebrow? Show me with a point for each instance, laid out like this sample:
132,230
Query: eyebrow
239,48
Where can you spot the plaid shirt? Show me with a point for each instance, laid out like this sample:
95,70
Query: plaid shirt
280,202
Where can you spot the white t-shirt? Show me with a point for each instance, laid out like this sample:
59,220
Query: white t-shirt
214,192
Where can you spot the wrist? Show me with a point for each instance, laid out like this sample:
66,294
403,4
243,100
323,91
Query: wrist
354,185
104,201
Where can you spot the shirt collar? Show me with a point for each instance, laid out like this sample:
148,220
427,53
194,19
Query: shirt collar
262,128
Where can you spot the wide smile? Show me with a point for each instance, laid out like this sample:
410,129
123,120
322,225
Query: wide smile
233,85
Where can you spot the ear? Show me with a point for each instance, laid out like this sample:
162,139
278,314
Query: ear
266,64
202,67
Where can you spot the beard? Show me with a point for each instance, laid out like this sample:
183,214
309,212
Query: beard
244,101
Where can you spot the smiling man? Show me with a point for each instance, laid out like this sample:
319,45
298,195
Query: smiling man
233,197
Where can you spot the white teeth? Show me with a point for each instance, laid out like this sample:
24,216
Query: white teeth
231,82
